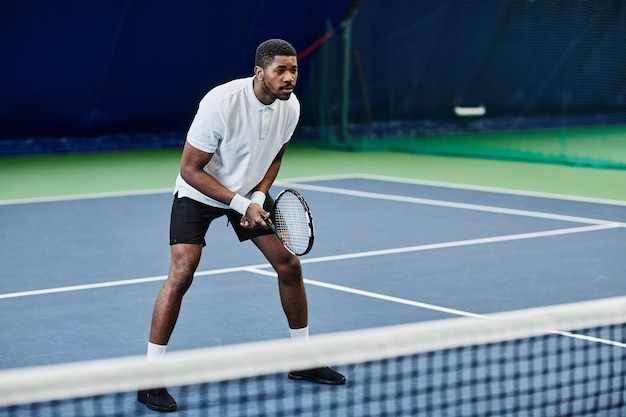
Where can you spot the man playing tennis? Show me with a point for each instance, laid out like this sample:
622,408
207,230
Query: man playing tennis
231,157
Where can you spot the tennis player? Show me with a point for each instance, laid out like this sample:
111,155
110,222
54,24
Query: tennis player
231,157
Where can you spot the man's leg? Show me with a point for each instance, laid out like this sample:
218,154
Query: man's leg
290,282
294,301
185,259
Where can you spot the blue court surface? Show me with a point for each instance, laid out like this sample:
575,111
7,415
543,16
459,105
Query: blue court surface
80,275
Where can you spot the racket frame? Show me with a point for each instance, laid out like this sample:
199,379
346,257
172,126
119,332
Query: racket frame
309,218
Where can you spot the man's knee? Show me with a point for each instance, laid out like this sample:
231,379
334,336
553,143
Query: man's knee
289,269
185,260
178,284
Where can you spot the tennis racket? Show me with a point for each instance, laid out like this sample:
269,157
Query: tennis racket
290,218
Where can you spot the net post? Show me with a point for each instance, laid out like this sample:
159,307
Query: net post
347,41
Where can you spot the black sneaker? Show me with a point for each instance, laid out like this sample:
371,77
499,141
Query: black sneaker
157,399
319,375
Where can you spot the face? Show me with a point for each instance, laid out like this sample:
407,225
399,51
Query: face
277,80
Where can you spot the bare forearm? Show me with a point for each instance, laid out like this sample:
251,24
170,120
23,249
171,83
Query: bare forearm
207,184
192,171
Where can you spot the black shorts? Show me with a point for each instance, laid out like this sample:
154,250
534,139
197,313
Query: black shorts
190,221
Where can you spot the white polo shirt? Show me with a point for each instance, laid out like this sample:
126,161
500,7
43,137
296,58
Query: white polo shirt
243,134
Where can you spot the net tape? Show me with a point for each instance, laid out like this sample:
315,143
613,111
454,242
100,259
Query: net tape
385,353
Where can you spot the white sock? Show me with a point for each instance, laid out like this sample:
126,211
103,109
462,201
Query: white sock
155,352
300,334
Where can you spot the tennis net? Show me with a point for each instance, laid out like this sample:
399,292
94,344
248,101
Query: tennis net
566,360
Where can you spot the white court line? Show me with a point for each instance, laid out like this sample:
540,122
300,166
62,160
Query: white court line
298,180
478,241
494,239
374,295
449,204
427,306
453,185
494,190
114,283
77,197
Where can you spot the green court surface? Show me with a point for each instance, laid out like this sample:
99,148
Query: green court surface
78,174
596,146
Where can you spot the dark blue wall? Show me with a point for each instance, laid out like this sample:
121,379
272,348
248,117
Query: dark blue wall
93,67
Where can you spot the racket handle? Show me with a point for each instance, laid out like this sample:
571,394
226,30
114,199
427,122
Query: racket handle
269,223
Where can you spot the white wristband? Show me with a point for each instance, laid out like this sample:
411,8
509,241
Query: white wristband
240,204
258,197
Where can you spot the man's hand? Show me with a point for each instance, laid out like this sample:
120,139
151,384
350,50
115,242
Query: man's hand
255,216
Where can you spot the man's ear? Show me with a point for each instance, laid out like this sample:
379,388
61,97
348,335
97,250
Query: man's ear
259,72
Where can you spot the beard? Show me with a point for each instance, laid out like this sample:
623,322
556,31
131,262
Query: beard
279,93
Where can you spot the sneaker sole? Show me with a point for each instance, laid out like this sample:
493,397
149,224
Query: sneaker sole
169,409
299,377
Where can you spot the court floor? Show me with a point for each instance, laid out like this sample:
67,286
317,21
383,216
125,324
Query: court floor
80,275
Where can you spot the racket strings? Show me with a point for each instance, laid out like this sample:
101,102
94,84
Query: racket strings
292,223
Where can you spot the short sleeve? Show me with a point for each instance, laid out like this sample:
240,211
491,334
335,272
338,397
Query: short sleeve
207,127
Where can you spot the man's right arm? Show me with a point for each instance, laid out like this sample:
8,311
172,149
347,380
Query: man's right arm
192,171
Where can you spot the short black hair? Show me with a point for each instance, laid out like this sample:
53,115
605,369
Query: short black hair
267,50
